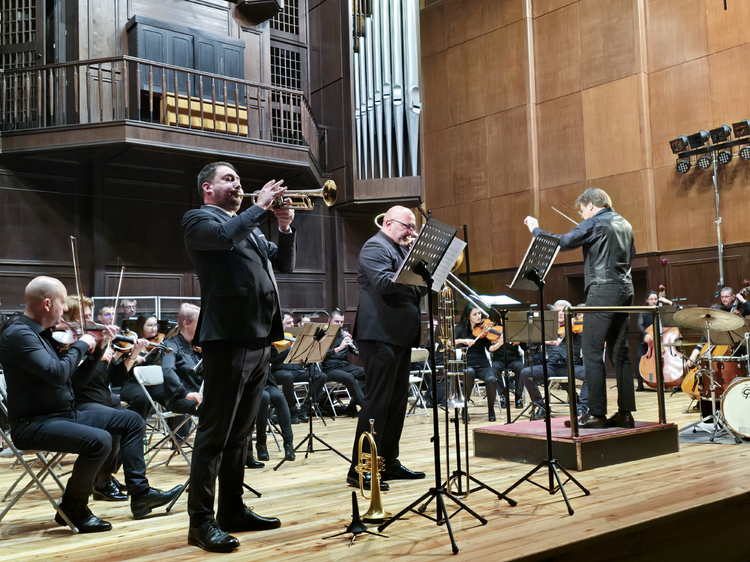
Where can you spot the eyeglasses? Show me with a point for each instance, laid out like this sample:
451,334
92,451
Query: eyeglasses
409,226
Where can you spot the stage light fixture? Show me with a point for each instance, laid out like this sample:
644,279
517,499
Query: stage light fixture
724,157
704,162
720,134
683,166
741,128
698,139
745,152
679,144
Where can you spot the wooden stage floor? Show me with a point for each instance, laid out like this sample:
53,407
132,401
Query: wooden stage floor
683,506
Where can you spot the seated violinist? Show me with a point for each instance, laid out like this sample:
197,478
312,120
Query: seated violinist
42,413
477,362
147,328
91,385
557,366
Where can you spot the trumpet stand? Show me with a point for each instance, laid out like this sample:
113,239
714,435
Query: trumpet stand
438,492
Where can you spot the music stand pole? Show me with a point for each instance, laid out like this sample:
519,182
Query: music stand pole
539,258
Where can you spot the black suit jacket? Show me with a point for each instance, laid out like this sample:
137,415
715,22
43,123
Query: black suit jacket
234,263
387,311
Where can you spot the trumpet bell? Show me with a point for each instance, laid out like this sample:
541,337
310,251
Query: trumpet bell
300,200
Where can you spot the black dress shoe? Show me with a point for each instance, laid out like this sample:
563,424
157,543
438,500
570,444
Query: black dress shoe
352,478
537,413
621,420
289,452
84,520
145,502
210,537
589,421
251,463
491,415
262,452
402,473
247,520
294,413
110,493
519,402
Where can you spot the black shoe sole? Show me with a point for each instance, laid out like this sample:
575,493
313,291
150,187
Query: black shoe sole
101,497
218,548
144,512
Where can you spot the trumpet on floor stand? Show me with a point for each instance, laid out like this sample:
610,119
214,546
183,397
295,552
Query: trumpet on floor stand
372,463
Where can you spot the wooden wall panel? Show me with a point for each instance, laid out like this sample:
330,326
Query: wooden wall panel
356,230
13,284
302,293
685,211
557,54
610,43
734,180
469,174
330,43
541,7
144,283
561,149
315,67
437,169
499,13
730,81
212,16
695,278
507,74
464,20
329,112
676,32
680,99
436,104
510,237
563,199
613,139
508,151
312,249
466,85
351,294
726,28
433,29
630,199
478,217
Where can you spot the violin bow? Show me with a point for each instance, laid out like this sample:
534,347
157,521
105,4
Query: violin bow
117,298
77,272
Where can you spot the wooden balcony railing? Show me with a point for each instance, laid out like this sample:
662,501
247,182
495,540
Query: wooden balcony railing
127,88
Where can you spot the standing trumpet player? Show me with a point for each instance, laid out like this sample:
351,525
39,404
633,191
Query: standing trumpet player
386,328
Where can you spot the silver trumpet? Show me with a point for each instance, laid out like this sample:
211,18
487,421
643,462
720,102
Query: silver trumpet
352,345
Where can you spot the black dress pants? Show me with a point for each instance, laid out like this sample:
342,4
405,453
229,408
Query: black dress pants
348,375
233,381
612,329
89,435
113,462
387,381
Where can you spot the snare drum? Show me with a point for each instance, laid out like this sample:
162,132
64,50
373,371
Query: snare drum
735,406
726,369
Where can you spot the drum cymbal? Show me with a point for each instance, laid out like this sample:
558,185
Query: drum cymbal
698,318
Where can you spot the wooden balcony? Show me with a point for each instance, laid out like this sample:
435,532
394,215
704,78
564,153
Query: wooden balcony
83,109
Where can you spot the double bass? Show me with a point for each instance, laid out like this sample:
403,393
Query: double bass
672,365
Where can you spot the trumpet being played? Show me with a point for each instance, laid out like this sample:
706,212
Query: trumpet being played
299,200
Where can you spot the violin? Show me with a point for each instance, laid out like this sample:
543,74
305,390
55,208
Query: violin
67,333
124,341
487,329
745,292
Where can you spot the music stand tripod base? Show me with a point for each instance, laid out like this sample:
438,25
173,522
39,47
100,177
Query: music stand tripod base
537,262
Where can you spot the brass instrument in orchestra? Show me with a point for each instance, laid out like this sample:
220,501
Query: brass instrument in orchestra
372,463
300,200
455,391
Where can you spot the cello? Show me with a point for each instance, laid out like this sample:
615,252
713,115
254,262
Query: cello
672,365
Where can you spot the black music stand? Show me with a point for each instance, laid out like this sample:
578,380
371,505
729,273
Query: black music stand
537,262
310,347
531,326
430,260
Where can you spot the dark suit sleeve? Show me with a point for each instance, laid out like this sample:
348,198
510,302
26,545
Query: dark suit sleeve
36,359
205,232
284,255
585,232
378,267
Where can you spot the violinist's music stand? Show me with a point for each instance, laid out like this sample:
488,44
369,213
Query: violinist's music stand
310,347
537,262
527,326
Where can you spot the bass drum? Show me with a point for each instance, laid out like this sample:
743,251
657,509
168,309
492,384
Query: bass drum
735,406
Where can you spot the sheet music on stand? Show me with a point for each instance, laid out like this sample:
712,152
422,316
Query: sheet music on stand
438,246
312,345
540,256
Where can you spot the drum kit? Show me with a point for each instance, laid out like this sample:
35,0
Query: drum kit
724,380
